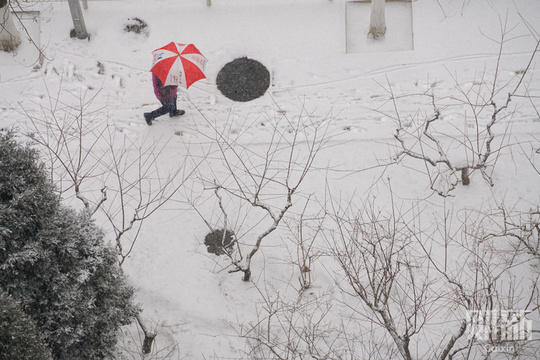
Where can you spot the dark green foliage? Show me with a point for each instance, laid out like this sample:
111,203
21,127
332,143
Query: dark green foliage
27,198
217,242
54,262
19,338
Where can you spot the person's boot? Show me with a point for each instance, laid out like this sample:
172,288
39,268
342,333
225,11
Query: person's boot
148,117
176,113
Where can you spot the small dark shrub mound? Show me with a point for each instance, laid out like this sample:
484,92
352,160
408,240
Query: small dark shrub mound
217,242
137,26
243,79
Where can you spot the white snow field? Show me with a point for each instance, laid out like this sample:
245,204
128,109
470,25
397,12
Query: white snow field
329,82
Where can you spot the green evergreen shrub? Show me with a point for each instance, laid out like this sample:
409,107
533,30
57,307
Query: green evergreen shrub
54,262
19,338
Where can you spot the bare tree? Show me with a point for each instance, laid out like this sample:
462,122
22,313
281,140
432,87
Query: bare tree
492,258
408,279
304,232
521,228
450,159
265,179
141,186
297,328
374,251
108,173
71,141
399,281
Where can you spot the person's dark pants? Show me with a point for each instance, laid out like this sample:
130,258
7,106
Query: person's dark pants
167,107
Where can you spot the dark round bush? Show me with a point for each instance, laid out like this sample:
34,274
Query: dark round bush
243,79
218,242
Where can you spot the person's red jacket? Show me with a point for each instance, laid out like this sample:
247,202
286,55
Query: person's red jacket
163,93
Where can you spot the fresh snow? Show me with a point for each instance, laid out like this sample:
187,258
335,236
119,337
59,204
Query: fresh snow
185,296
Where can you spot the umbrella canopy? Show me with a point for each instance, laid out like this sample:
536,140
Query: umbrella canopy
178,64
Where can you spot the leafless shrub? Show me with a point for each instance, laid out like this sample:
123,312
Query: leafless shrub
449,152
299,328
520,228
70,139
409,278
532,153
142,186
407,290
487,275
260,182
304,230
375,252
88,158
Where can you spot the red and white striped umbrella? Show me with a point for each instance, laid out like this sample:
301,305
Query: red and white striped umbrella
178,64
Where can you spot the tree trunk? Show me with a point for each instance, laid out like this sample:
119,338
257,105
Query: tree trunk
465,179
149,336
377,25
147,343
10,37
247,274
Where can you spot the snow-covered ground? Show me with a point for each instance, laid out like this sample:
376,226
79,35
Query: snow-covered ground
456,55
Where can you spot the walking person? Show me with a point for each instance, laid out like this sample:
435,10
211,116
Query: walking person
167,95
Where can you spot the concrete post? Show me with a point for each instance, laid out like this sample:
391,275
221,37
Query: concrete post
78,20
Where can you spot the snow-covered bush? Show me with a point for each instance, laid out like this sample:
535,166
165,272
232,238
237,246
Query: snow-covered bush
136,26
55,264
19,338
24,189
